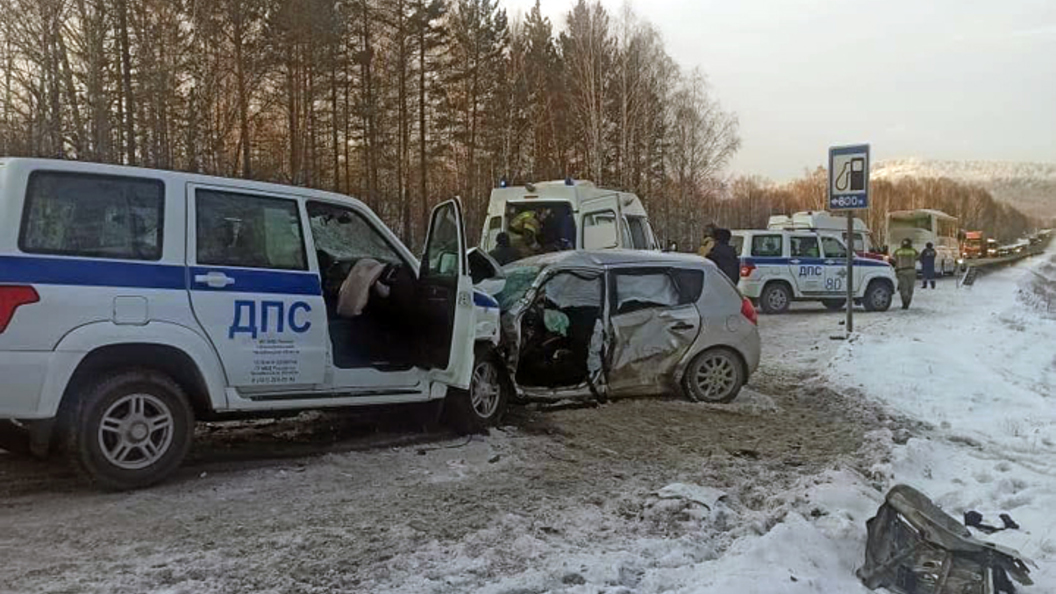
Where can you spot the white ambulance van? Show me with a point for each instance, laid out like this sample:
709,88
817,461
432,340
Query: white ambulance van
134,302
584,215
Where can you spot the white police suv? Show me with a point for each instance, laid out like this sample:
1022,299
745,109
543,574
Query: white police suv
134,302
779,267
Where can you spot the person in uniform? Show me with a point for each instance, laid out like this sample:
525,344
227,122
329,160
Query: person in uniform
709,240
927,265
906,270
724,256
525,227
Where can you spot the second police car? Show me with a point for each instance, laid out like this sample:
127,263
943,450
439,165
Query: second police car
779,267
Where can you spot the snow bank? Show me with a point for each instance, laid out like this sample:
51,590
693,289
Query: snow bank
980,367
1038,289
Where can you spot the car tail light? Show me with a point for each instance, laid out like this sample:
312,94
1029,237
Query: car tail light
11,298
747,268
748,311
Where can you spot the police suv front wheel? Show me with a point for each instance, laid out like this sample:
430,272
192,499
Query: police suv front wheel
482,405
878,296
129,430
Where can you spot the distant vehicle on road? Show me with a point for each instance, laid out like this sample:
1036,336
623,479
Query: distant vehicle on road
779,267
927,226
973,246
826,222
581,324
592,218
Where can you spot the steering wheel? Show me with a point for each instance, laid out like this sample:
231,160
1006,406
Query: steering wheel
335,275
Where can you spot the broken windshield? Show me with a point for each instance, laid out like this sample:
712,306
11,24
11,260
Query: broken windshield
518,280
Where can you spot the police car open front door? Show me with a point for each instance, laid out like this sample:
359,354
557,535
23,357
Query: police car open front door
445,294
252,291
601,223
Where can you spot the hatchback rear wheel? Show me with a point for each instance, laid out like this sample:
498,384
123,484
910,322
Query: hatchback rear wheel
716,375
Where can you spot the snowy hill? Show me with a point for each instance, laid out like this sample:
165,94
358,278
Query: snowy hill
1030,187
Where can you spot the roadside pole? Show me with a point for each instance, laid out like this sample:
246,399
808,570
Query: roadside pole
849,191
850,272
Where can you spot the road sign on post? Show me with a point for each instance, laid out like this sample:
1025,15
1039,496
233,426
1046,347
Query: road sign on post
849,191
849,177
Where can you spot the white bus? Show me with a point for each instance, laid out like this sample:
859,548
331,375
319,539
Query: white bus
924,226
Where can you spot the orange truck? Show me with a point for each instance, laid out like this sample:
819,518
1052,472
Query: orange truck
973,246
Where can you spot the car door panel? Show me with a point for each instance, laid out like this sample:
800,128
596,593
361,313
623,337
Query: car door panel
806,264
370,352
651,328
561,332
252,291
835,263
446,298
601,224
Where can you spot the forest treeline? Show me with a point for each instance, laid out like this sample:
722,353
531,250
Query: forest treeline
400,103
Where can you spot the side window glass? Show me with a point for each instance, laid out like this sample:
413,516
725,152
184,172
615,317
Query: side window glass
442,252
344,235
638,233
767,246
100,216
567,289
642,291
248,231
627,241
649,235
805,247
690,285
491,237
599,230
833,248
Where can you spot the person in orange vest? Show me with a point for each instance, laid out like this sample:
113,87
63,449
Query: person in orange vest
708,242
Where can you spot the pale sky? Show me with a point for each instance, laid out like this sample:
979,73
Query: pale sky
940,79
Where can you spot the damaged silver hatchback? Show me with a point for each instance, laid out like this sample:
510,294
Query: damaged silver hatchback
599,324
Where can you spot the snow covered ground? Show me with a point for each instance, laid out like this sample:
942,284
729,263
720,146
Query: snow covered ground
980,365
767,495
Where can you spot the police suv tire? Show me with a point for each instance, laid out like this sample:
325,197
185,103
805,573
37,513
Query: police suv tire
878,296
14,438
128,411
776,298
718,364
834,304
483,404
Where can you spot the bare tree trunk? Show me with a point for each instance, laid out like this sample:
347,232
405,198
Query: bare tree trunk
368,107
403,161
336,164
126,81
423,166
240,81
292,107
